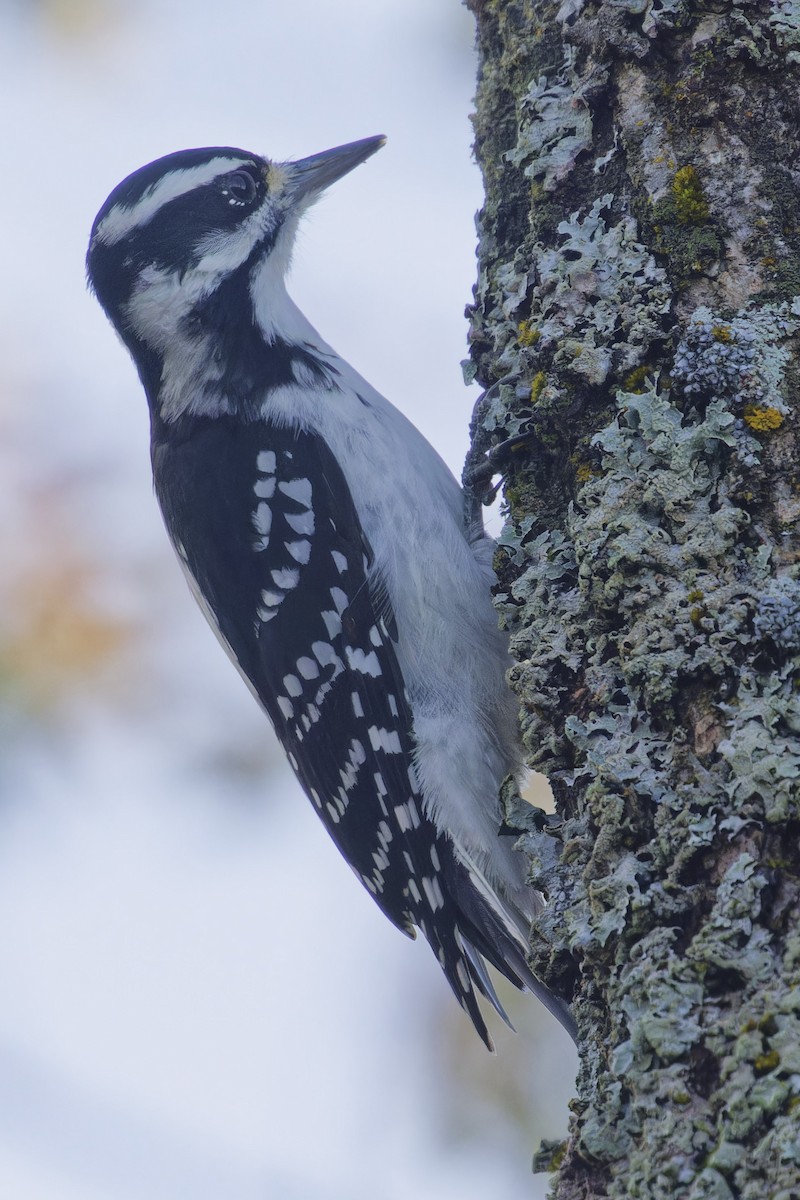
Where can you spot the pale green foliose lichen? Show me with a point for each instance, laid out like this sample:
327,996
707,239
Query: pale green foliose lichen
654,546
554,127
784,20
658,659
600,299
762,746
655,13
777,619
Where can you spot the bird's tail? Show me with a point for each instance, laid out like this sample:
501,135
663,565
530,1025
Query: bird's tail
489,929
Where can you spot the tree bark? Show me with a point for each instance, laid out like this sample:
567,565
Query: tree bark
637,319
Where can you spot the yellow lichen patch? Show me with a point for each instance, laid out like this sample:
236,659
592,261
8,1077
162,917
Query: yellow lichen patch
722,333
527,334
635,381
761,419
537,386
766,1062
687,192
583,472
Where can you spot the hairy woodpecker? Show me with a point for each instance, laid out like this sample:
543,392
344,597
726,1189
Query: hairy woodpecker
325,541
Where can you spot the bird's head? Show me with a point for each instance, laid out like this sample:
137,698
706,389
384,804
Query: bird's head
178,230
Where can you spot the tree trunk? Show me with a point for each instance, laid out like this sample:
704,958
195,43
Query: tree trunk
638,311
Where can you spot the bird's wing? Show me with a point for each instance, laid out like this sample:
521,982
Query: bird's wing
266,528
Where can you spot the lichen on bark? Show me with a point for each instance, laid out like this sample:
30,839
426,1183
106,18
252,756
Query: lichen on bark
637,318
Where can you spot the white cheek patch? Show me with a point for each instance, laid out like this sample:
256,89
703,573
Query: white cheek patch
221,252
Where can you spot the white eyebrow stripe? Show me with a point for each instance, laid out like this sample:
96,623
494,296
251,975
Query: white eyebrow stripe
122,220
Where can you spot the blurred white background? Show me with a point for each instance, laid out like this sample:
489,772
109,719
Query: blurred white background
197,999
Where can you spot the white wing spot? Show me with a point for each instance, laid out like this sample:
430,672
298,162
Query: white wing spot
300,551
264,488
367,664
463,975
415,892
286,707
286,577
437,866
262,518
375,636
297,489
301,522
326,656
315,797
384,739
381,789
339,599
340,561
307,668
266,462
262,523
292,685
402,817
408,818
358,708
334,813
433,893
333,623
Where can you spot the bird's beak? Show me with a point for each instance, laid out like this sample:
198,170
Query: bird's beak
310,176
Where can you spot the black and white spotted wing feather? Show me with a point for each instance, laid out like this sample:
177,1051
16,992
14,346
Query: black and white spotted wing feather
285,573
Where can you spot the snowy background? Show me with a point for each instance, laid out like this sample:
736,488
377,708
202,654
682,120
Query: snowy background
197,999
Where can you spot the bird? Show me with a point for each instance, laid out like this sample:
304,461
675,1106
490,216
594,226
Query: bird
326,543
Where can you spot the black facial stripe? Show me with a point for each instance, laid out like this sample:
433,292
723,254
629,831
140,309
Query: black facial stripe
169,238
131,190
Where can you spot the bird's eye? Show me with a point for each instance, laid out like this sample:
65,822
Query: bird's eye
240,188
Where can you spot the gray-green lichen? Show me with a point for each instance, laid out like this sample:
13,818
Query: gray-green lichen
599,298
784,20
635,307
777,619
651,592
744,357
555,126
